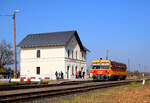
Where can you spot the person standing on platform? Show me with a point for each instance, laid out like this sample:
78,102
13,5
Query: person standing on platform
76,74
83,74
59,75
80,74
62,75
10,74
56,75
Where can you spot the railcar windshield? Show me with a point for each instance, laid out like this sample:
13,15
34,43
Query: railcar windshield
100,67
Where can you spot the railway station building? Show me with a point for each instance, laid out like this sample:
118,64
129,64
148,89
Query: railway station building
43,54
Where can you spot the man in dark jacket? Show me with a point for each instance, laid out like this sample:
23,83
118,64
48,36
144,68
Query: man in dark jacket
62,75
83,74
56,75
79,74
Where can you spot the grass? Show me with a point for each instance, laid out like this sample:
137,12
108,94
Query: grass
132,93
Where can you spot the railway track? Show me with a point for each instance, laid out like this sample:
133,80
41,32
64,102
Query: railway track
12,87
17,95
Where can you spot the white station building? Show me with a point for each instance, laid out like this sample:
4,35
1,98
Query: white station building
43,54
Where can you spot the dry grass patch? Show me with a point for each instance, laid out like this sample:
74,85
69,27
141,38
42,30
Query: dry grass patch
132,93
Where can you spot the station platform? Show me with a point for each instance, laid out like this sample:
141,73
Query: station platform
61,81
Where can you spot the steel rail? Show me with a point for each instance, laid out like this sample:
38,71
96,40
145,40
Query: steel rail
60,91
11,87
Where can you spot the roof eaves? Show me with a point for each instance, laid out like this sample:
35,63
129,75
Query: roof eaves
34,46
86,49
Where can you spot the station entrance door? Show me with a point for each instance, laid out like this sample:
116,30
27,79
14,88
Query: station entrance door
68,72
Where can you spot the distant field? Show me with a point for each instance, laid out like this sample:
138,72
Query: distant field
132,93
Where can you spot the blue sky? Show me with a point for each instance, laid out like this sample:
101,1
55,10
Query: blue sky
121,26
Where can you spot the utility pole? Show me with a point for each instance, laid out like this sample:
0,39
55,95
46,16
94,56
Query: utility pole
15,55
107,54
129,64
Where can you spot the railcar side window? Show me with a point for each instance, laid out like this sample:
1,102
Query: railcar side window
100,67
96,67
104,67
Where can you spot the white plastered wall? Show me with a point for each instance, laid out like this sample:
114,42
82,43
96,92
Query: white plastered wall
51,60
74,61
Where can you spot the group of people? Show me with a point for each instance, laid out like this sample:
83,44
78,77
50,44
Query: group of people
80,74
59,75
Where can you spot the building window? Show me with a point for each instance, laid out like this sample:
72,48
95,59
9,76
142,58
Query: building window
72,41
76,55
82,55
68,72
72,53
72,70
38,53
76,69
37,70
68,53
82,69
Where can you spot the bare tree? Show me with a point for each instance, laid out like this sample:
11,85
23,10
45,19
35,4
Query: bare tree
6,54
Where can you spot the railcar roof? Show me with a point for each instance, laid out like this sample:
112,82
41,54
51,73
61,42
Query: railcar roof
117,62
97,61
103,60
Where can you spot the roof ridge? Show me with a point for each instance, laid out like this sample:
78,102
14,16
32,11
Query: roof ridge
47,33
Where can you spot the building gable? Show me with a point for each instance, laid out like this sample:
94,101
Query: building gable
73,49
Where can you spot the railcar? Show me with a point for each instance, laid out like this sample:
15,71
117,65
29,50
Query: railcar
108,70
